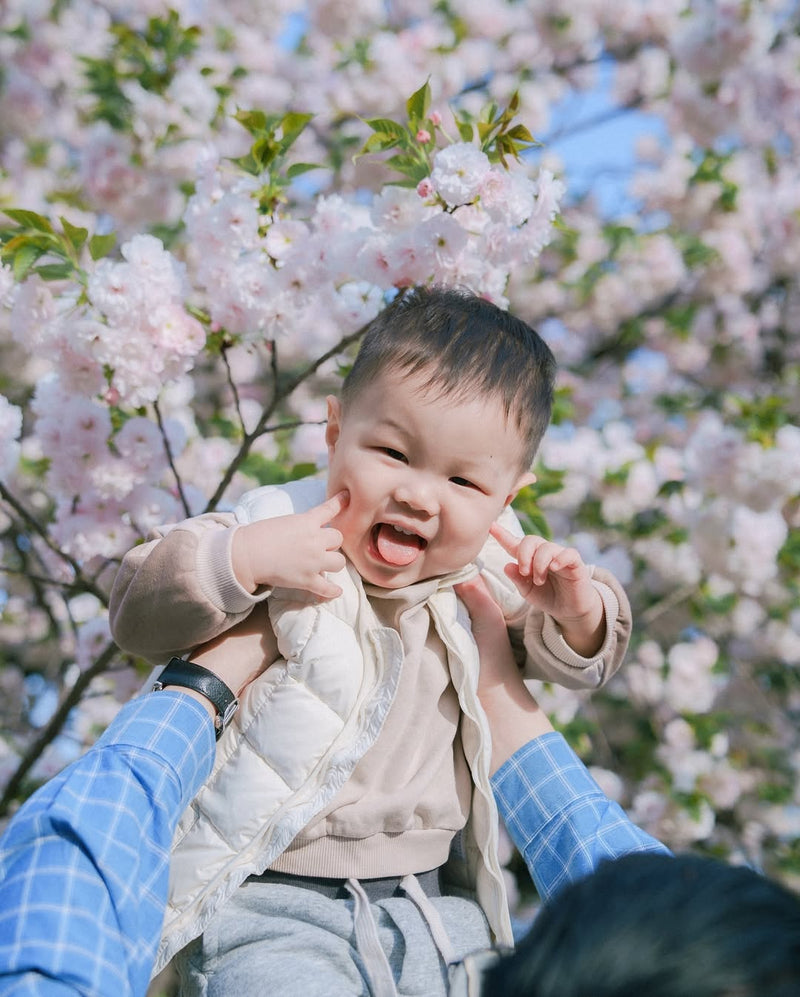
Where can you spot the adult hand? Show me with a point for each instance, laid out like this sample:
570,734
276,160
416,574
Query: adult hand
514,715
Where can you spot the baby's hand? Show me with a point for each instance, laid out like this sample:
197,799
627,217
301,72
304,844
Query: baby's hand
556,580
292,551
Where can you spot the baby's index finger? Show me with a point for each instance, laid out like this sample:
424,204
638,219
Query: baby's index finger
507,540
331,507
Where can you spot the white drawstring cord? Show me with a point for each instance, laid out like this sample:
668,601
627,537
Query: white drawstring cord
410,885
376,965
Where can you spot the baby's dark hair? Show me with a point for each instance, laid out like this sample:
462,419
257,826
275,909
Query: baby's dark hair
462,343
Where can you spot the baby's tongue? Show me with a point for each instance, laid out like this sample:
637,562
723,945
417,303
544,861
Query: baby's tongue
395,547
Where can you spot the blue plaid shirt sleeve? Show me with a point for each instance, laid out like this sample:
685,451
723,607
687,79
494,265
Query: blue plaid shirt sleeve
562,823
84,864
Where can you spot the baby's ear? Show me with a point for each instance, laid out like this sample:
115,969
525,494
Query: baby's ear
523,481
334,427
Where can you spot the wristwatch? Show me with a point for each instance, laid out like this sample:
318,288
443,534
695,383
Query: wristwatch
189,675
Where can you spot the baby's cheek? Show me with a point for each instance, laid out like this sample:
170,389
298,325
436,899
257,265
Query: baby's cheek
346,527
471,543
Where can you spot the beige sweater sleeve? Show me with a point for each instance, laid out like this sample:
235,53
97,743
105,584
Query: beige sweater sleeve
178,590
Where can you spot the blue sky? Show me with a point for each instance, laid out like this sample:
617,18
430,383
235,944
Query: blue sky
597,146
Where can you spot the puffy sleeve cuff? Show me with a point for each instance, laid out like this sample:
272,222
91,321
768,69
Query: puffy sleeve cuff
216,577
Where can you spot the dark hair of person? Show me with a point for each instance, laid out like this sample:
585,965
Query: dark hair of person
461,344
656,926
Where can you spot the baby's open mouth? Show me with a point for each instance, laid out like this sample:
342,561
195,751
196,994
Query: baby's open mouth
397,546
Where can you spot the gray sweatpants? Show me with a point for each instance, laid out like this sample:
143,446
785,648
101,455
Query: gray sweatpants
272,938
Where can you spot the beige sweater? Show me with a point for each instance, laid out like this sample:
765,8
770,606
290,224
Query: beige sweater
410,793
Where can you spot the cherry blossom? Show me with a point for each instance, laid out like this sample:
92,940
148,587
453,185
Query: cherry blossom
10,430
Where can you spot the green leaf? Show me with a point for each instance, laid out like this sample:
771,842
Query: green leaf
22,32
42,242
502,148
485,129
521,134
695,253
563,407
535,522
254,121
292,124
490,113
35,467
418,103
273,472
465,130
29,219
549,481
302,470
527,507
617,476
24,259
77,236
789,554
296,169
409,166
101,245
55,271
264,151
378,142
248,164
760,417
217,340
387,127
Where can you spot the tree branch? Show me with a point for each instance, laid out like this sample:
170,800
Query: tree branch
171,459
36,527
279,395
232,385
53,727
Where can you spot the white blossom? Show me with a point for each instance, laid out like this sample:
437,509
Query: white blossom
459,171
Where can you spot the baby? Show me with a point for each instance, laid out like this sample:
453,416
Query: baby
346,842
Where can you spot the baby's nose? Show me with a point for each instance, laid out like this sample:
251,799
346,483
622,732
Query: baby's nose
419,493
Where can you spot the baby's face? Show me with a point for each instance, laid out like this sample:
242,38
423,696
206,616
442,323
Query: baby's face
427,476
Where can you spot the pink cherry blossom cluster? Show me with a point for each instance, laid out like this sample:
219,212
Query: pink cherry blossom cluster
114,346
308,281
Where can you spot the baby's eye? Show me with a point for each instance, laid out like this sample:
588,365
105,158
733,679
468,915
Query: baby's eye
464,483
395,454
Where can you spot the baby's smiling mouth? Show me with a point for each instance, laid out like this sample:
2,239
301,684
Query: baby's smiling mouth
397,546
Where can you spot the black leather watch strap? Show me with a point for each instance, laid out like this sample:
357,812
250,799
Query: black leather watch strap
189,675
